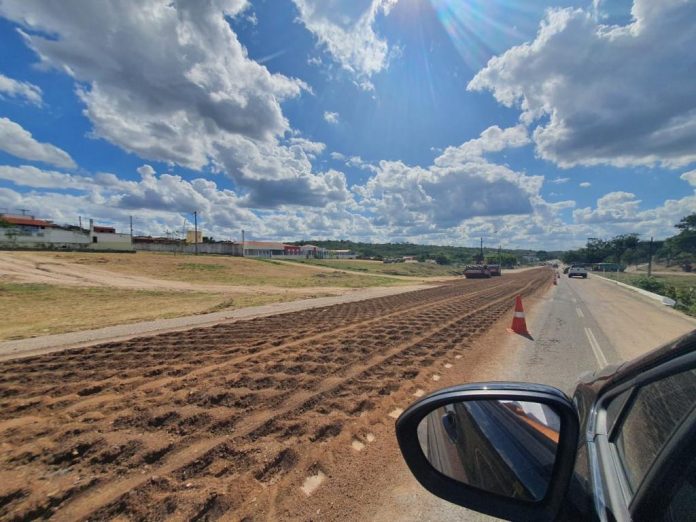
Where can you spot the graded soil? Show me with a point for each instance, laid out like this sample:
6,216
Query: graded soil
239,421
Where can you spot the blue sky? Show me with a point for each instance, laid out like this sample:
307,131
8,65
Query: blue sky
534,124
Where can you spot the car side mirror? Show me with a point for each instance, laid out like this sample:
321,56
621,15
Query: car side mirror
503,449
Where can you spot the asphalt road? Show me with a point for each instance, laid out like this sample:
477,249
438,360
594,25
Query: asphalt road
580,325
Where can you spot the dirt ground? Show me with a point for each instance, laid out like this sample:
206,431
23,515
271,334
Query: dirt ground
252,420
158,271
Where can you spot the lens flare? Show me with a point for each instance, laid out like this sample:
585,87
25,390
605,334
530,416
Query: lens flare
480,29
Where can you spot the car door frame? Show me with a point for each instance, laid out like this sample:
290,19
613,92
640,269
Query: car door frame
612,495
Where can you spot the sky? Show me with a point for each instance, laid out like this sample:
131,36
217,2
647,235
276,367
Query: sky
533,124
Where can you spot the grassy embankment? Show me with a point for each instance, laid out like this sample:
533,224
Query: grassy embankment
31,309
681,288
420,270
225,270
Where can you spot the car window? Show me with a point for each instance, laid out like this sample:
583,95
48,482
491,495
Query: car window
658,409
682,505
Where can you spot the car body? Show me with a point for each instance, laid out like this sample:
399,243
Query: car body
577,271
626,445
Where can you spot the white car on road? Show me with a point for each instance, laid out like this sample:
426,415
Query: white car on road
577,271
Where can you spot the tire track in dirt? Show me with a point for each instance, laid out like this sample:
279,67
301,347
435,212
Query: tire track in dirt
246,419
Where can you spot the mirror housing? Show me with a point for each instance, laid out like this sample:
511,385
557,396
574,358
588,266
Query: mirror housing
476,499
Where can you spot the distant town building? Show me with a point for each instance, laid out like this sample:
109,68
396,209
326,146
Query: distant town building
27,232
341,254
193,237
263,249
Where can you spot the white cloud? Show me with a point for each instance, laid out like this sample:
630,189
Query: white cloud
460,185
559,180
689,177
180,88
619,213
345,28
15,140
612,207
311,148
331,117
18,89
28,176
605,94
585,184
493,139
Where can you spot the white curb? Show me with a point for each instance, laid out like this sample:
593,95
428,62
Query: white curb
664,300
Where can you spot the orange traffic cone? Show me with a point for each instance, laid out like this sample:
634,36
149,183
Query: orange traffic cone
519,325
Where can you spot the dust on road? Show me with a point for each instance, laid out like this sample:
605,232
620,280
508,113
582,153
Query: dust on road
228,420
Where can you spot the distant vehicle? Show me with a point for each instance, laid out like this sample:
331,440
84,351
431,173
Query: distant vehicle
607,267
624,448
495,270
577,271
477,272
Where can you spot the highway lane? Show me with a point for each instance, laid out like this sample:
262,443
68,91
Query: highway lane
578,326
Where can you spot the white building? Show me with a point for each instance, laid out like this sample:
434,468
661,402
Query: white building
26,232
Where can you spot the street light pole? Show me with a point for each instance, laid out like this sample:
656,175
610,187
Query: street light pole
650,257
195,232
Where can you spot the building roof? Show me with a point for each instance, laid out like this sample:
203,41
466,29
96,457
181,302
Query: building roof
26,221
104,230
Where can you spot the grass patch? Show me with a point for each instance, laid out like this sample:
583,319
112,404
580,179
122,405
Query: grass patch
200,266
377,267
220,270
33,309
681,288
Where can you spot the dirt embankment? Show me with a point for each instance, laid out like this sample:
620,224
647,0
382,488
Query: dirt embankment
242,420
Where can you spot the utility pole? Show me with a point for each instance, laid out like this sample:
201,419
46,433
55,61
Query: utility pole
482,258
650,257
79,220
131,227
195,232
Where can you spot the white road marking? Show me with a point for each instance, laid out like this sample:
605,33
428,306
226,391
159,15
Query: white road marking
599,355
580,314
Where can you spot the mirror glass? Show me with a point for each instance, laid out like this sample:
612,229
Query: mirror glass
503,447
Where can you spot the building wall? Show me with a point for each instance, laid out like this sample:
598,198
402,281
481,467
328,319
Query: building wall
59,238
48,238
109,241
227,249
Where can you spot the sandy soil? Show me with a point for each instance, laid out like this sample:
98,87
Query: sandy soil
38,268
253,420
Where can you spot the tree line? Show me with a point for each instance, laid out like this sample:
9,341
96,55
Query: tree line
630,249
